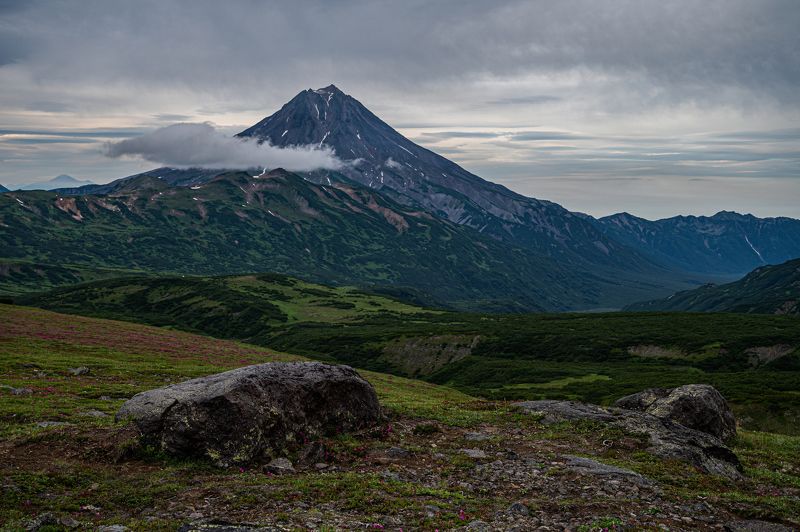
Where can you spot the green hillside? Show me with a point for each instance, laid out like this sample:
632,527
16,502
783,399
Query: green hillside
766,290
342,234
753,359
21,277
248,307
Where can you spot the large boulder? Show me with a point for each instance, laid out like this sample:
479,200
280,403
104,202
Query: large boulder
697,406
253,413
666,438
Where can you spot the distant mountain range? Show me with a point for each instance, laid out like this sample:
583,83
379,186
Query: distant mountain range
724,244
398,215
766,290
61,181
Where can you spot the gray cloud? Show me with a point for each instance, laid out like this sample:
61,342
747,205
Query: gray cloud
535,99
545,135
202,146
640,77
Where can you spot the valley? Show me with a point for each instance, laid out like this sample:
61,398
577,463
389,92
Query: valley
596,357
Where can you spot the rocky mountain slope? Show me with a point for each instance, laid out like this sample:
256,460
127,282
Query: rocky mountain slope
765,290
727,243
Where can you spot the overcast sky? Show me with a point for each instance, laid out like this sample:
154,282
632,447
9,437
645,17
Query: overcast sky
653,107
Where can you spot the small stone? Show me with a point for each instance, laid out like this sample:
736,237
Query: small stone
112,528
431,511
320,466
69,522
195,515
46,519
474,453
390,475
518,509
279,466
311,453
21,391
94,413
755,526
481,526
82,370
105,398
476,436
46,424
397,452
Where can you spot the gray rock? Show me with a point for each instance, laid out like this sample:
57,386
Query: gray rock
667,439
480,526
391,475
474,453
553,411
82,370
476,436
16,391
93,413
432,511
46,519
69,522
312,453
518,509
697,406
587,466
397,452
252,413
756,526
112,528
279,466
47,424
218,526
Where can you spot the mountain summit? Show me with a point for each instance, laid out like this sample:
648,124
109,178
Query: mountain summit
385,160
61,181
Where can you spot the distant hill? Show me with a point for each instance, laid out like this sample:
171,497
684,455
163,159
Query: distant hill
62,181
3,189
766,290
727,243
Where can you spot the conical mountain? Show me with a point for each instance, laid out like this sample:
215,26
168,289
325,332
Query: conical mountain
383,159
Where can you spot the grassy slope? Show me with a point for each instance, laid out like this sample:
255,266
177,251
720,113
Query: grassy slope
344,235
89,469
593,357
766,290
23,277
249,307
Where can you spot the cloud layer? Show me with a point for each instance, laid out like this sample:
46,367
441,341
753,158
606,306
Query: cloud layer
632,76
202,146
